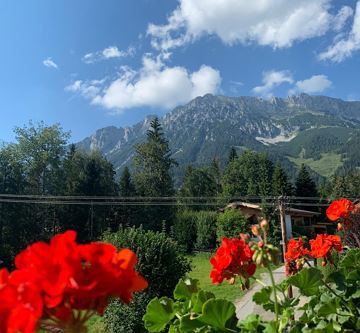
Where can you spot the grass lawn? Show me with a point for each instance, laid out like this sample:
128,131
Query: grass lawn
325,166
201,268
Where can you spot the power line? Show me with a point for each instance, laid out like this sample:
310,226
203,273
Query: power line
216,201
240,198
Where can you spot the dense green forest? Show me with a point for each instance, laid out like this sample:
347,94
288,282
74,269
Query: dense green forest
42,163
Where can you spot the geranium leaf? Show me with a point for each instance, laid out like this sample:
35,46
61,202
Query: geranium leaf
200,299
251,323
271,327
158,314
185,288
219,314
262,296
190,325
338,279
308,280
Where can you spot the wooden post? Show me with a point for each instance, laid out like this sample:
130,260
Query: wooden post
282,225
92,222
283,235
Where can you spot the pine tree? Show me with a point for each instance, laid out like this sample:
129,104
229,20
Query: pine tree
199,182
152,175
304,185
215,172
126,186
280,182
125,214
232,155
153,163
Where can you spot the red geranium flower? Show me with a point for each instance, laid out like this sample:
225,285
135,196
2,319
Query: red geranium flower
21,304
52,264
339,209
52,280
105,273
323,244
295,250
233,258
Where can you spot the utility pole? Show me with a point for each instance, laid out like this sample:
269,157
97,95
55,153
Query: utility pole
284,239
92,221
281,207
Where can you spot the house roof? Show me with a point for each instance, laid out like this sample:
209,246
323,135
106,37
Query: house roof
289,211
300,212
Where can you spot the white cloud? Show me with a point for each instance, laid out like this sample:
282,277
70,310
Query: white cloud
271,80
342,16
154,85
88,89
277,23
344,47
315,84
50,63
108,53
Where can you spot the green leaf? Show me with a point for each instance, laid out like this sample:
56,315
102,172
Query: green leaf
327,308
185,288
338,278
353,275
200,299
308,280
188,324
351,260
251,322
219,314
158,314
356,294
271,327
262,296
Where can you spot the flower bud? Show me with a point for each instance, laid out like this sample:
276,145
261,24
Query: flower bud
261,244
244,237
232,281
339,227
264,224
255,229
324,263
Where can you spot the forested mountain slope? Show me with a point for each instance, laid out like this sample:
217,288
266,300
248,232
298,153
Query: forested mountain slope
319,131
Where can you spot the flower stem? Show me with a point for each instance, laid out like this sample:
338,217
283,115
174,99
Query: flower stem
260,282
275,296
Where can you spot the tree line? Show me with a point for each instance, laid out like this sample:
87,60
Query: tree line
42,163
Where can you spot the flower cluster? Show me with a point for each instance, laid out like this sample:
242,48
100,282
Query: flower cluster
322,245
232,259
295,256
62,284
339,209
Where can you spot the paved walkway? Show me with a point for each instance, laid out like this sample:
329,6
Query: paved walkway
246,306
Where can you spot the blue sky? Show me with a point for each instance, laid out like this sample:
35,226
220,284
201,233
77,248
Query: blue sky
88,64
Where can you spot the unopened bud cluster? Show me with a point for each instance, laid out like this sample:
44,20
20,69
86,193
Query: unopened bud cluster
264,253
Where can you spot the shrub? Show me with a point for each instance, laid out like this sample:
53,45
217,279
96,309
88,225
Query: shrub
159,262
230,224
205,230
184,229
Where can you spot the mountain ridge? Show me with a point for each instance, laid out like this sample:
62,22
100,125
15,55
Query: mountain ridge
196,130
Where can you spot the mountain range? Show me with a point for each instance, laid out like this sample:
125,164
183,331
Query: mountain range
320,131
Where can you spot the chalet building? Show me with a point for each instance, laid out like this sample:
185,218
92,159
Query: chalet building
293,217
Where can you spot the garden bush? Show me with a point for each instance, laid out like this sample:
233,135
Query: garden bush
205,230
184,230
159,262
230,224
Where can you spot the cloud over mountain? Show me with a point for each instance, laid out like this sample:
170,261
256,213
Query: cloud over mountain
275,23
153,85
